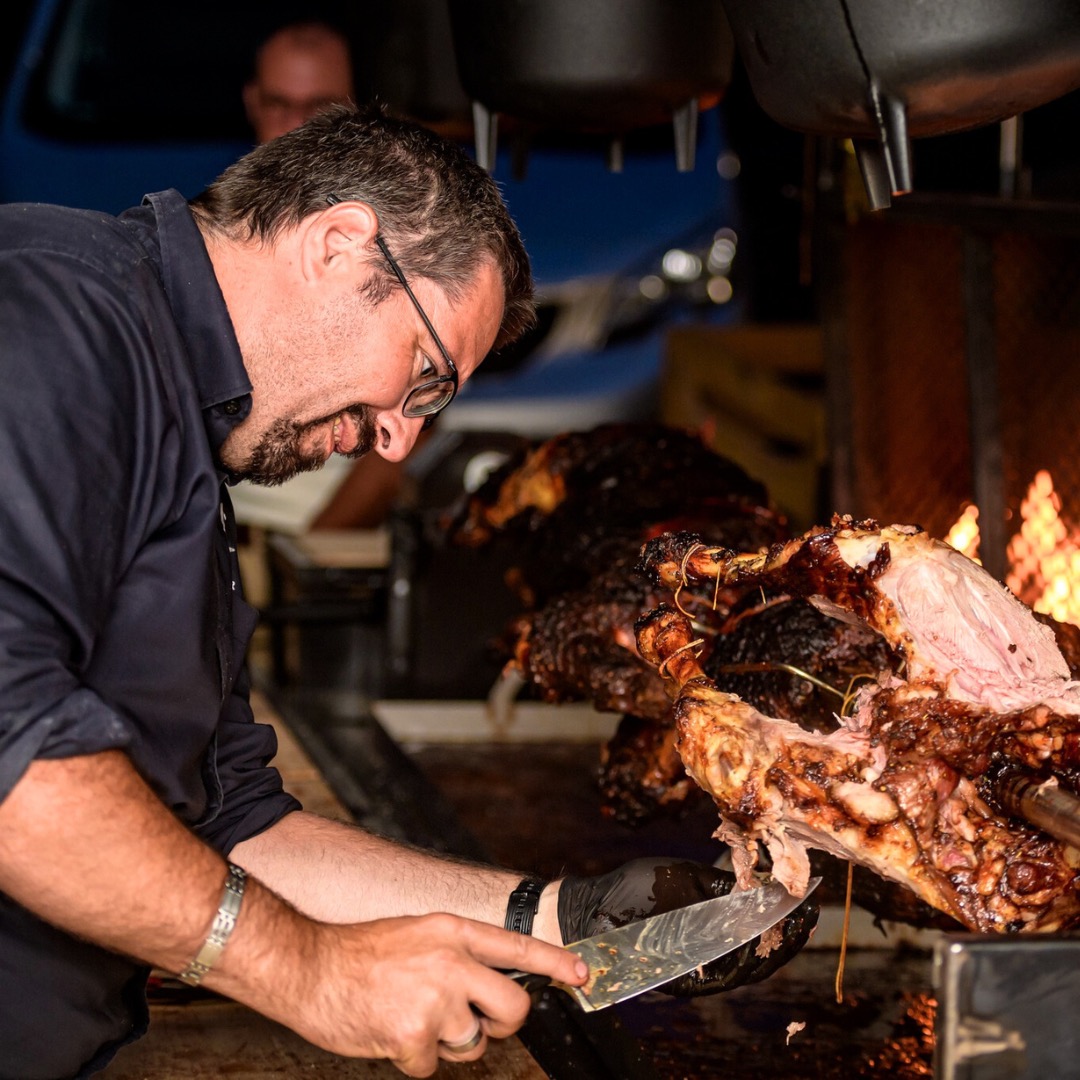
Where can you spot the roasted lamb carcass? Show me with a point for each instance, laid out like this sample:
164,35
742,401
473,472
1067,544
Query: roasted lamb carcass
977,680
580,646
781,655
641,773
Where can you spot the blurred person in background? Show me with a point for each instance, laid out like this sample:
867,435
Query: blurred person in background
299,70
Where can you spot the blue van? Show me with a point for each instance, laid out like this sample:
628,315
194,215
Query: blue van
110,99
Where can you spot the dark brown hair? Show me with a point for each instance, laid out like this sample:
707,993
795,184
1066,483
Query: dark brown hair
439,212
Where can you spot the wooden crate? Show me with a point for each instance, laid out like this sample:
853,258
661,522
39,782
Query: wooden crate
758,395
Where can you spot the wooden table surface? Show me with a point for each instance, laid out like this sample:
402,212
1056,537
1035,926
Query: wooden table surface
213,1037
210,1039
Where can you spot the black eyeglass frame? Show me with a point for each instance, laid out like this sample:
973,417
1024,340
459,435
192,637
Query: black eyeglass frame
430,410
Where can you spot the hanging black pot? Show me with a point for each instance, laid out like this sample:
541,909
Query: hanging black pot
884,71
602,66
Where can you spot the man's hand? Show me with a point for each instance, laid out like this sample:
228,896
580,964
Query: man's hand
410,989
126,874
644,887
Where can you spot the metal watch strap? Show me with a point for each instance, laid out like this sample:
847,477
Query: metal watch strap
221,928
521,908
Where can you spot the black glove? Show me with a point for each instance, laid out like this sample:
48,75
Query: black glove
643,887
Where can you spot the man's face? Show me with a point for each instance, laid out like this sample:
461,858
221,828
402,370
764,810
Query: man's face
332,376
297,75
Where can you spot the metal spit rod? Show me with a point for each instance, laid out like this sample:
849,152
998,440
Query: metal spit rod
1044,803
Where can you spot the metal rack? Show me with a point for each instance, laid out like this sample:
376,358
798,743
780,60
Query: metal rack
952,331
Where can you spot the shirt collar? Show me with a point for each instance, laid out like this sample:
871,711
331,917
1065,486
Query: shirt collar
168,231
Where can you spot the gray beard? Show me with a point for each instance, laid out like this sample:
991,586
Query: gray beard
278,456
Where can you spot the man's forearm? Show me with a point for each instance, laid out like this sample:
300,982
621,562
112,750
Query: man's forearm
87,846
340,873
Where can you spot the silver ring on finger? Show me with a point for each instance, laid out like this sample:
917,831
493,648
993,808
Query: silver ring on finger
470,1043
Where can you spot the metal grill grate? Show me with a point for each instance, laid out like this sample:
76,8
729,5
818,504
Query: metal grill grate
909,415
909,303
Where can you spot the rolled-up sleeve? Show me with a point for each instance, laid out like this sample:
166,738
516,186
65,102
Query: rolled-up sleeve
63,511
252,795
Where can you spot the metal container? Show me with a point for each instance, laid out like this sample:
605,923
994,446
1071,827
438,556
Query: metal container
1007,1007
605,66
881,72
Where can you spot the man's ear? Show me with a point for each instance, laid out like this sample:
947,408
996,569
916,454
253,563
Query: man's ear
339,238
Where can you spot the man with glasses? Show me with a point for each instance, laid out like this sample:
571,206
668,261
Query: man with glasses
150,361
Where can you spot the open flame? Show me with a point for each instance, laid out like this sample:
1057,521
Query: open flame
1044,556
964,535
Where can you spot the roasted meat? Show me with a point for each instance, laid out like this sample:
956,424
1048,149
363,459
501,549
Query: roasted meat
576,503
580,646
975,680
787,659
641,773
782,656
571,515
575,511
641,472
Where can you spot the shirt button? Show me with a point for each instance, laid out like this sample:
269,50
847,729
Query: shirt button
231,408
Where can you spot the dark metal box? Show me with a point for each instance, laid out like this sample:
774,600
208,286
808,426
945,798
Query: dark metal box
1007,1008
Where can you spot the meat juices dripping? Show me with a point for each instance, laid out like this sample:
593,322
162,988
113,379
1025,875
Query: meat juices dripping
904,785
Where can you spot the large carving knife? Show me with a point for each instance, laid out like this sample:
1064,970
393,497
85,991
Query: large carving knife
643,955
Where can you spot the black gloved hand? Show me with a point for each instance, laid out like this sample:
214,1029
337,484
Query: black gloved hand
643,887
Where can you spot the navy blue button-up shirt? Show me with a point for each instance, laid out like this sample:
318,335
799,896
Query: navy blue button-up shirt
122,622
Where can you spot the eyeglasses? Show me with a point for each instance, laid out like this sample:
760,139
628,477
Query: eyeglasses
432,395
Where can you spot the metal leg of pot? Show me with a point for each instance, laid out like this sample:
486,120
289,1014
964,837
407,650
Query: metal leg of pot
684,122
486,125
885,162
616,156
875,172
891,115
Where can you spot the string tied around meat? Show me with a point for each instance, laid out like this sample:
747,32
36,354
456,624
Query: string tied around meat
681,649
682,582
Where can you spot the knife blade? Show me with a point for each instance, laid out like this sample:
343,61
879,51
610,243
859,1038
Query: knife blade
643,955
